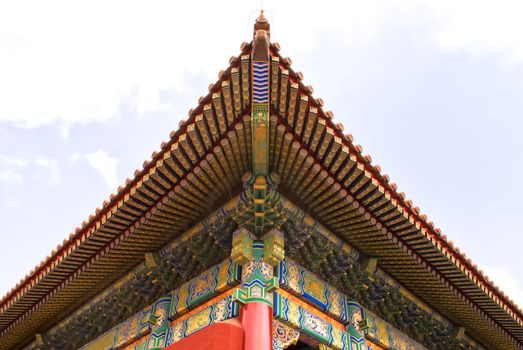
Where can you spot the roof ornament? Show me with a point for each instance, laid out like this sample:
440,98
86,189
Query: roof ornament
261,23
261,41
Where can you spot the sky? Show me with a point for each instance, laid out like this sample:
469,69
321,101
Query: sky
432,90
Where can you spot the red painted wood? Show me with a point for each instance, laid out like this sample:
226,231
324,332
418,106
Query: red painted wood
219,336
256,319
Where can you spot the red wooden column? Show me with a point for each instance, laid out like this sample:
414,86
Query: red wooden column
256,320
219,336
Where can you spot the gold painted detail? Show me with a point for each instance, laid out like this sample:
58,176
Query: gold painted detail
283,336
256,256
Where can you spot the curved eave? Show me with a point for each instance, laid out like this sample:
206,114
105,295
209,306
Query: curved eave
182,184
373,207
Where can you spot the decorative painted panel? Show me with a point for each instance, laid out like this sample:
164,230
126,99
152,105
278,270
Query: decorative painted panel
103,342
354,328
125,333
210,283
155,318
386,336
139,345
297,314
222,310
160,323
283,336
219,309
373,346
306,285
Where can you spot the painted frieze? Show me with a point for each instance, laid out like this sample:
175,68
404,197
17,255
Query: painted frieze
155,319
355,325
306,285
312,322
283,336
210,283
221,310
125,333
383,334
160,324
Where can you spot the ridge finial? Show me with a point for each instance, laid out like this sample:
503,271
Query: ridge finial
262,24
261,41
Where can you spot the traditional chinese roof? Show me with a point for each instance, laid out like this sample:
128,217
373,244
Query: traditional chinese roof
200,168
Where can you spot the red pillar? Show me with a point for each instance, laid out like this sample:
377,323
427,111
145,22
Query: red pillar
226,335
256,319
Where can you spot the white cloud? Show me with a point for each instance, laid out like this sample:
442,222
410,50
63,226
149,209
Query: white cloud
481,27
14,171
506,282
13,203
11,169
105,164
8,161
65,62
9,176
51,165
70,63
75,157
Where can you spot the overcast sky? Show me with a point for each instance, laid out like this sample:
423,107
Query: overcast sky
433,90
